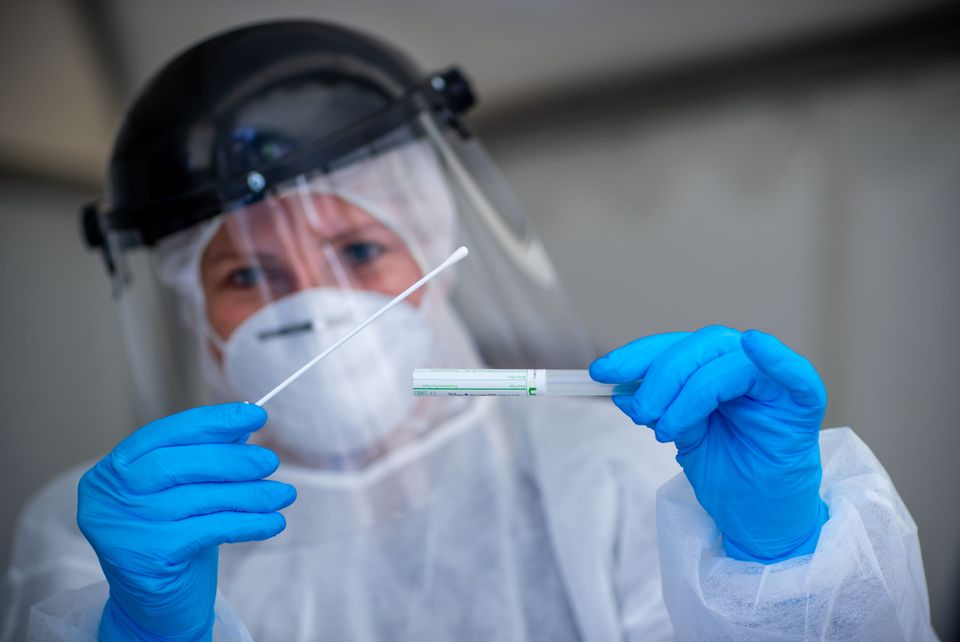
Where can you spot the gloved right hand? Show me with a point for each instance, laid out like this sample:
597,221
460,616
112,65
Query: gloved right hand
156,508
744,411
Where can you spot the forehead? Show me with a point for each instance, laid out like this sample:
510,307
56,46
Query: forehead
281,219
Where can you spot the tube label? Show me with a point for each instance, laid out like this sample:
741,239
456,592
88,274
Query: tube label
478,382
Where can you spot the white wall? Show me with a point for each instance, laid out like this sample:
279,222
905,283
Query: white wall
828,217
831,218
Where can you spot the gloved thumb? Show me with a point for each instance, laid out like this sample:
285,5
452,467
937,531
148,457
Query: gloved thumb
785,367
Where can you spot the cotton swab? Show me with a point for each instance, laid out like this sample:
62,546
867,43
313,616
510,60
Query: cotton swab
456,257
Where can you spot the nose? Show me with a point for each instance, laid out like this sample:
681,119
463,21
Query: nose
318,265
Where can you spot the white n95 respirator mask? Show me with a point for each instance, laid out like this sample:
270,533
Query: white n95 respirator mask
347,406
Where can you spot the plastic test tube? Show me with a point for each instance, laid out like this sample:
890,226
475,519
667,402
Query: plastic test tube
472,382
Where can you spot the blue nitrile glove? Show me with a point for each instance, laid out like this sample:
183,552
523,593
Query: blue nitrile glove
744,412
156,508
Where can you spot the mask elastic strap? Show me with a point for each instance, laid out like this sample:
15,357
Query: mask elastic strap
211,335
204,329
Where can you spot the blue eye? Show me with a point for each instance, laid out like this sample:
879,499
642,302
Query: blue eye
246,277
363,252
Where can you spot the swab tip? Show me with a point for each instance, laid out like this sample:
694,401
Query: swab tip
460,252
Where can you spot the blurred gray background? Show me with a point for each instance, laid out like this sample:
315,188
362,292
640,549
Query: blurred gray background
792,166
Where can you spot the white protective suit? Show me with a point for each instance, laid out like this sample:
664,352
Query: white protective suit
583,536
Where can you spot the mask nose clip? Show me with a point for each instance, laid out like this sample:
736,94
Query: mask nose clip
299,327
287,330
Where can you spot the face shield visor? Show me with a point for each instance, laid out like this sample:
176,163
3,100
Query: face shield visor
228,307
268,285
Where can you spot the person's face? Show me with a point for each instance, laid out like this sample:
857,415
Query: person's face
278,247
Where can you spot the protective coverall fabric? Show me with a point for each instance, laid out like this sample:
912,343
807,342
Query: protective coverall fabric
561,544
865,580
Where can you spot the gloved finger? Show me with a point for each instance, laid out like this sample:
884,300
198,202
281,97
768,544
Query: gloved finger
723,379
203,425
190,500
785,367
189,536
167,467
630,362
671,370
625,404
628,404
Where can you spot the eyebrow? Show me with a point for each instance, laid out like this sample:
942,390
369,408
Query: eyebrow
232,254
360,228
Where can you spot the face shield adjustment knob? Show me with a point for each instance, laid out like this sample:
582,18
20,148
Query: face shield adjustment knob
456,97
455,89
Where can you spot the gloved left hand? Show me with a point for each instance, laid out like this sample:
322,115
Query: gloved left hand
744,412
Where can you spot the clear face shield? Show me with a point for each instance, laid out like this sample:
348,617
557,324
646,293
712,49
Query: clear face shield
266,285
269,285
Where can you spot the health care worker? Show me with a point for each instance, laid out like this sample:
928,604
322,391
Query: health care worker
273,186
